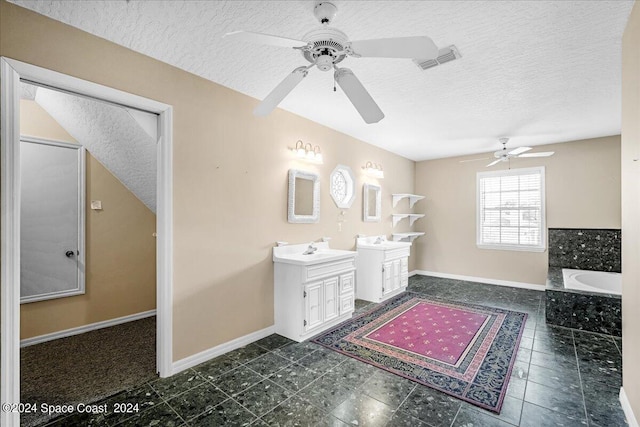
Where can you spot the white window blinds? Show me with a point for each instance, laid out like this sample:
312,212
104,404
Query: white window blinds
510,209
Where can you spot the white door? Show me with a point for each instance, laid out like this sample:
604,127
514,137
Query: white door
313,302
51,220
331,298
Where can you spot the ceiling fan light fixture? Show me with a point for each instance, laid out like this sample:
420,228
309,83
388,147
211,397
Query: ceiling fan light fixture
325,47
325,12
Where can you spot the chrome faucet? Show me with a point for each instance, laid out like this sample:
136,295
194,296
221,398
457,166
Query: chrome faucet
378,241
311,249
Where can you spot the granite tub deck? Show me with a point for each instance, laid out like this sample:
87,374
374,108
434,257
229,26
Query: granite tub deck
585,249
577,309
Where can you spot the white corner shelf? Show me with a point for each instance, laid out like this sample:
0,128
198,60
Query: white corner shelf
411,236
412,218
413,198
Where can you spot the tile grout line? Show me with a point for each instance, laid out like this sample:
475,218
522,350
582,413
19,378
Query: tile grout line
584,402
454,418
406,397
296,393
533,341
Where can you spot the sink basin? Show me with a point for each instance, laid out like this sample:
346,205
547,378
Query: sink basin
294,254
382,245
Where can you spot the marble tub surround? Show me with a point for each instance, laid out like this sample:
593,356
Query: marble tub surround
577,309
585,249
561,377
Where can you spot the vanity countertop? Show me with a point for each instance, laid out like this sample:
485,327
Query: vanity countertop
382,245
294,254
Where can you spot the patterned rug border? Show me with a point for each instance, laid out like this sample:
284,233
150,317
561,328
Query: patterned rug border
408,294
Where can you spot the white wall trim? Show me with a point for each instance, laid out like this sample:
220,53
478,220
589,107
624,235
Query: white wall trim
85,328
203,356
626,407
164,245
10,241
12,72
498,282
413,272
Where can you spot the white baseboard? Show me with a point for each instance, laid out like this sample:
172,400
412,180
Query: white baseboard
413,272
86,328
626,407
203,356
480,280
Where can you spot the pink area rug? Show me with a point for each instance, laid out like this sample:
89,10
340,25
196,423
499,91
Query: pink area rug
464,350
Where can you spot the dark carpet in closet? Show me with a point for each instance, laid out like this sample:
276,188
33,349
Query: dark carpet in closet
87,367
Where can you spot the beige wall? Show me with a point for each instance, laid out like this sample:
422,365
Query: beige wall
230,178
582,190
631,210
120,261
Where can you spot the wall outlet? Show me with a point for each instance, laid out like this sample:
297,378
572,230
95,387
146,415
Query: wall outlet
96,205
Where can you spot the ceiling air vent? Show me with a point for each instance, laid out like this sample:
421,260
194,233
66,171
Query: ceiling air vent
446,54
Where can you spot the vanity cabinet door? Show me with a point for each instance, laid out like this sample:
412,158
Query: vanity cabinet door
395,281
387,277
404,272
313,305
331,298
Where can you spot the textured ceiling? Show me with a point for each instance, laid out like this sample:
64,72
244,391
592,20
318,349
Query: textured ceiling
537,71
112,135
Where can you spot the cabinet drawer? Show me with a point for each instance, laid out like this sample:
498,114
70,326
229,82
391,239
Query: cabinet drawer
346,304
329,268
396,253
346,283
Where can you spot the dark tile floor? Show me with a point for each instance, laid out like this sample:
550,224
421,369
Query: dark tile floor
562,377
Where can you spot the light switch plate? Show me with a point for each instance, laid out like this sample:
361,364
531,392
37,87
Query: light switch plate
96,205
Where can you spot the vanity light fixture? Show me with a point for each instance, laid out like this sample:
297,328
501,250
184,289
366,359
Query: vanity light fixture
307,152
374,170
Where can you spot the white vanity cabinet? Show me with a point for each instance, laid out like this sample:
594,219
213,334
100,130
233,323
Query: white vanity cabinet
382,268
312,292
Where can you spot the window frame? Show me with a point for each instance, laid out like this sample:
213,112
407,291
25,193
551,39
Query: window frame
512,247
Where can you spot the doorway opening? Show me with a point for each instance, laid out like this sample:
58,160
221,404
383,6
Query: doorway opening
14,75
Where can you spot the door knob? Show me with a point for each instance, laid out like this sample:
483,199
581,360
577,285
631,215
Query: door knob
69,254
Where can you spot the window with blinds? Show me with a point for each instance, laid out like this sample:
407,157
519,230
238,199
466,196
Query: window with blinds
510,209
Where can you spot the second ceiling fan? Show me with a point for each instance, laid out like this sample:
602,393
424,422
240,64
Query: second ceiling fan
505,155
325,47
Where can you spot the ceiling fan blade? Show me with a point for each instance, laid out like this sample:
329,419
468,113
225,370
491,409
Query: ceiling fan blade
421,47
495,162
280,92
251,37
519,150
474,160
358,95
539,154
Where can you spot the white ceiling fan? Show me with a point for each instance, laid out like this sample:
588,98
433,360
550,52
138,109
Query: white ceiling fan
505,155
325,47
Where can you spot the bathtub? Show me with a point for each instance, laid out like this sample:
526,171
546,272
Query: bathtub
592,281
